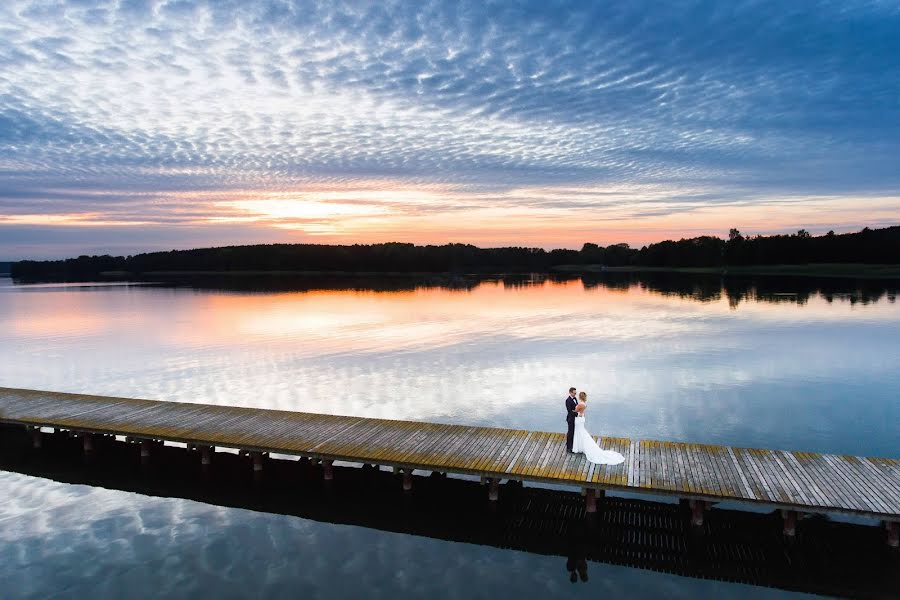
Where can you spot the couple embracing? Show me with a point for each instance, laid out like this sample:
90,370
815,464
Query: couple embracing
578,439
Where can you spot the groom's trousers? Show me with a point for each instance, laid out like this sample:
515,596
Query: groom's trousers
570,434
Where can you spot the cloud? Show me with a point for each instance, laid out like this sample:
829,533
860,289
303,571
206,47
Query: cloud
752,99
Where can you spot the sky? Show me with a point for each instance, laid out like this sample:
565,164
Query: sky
129,126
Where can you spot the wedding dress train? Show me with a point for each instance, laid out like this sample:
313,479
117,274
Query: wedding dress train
583,442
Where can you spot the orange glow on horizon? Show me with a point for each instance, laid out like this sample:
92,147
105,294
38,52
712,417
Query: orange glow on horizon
381,211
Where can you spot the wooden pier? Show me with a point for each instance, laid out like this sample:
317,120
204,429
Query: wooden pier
796,482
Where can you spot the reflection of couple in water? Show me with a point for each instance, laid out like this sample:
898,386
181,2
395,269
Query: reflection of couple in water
578,440
577,568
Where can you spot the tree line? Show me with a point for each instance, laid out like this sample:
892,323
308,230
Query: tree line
869,246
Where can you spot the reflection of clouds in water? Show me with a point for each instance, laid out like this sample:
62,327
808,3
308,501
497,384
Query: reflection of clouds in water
656,367
73,539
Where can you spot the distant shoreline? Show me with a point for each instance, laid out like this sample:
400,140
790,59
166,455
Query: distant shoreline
851,270
846,270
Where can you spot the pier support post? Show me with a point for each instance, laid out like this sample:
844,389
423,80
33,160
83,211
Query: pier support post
590,500
407,480
88,442
36,438
328,469
893,533
257,461
697,509
145,451
206,453
493,489
790,522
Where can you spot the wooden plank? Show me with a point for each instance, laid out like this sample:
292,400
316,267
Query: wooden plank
520,449
758,487
630,461
859,470
718,480
423,447
546,445
467,458
813,490
495,445
833,492
840,495
689,483
558,459
535,448
489,451
852,486
885,483
496,462
419,446
801,488
744,483
867,497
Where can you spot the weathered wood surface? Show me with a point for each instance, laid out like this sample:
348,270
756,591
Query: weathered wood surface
799,480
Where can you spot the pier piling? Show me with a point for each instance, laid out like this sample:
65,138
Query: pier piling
698,507
790,522
893,533
407,480
494,489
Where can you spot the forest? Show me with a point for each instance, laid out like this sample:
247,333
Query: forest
869,246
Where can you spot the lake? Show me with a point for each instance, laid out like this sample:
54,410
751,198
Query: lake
763,362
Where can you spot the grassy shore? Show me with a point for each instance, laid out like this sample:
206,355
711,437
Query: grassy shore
860,271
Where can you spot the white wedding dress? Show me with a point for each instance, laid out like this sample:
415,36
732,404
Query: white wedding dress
583,442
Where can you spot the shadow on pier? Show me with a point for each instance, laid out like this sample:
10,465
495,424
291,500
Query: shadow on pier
826,557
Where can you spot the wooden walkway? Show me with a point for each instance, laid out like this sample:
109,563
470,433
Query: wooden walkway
795,481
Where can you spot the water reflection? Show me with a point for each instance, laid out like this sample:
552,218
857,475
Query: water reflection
788,363
431,541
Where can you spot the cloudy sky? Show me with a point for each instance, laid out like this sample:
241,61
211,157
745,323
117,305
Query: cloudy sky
128,125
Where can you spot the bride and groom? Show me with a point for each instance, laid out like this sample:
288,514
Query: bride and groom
578,439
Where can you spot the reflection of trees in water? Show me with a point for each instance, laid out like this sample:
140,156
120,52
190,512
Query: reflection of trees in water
699,287
737,289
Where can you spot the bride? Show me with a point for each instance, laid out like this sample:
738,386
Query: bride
583,442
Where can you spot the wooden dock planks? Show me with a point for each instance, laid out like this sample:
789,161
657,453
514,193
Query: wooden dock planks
797,480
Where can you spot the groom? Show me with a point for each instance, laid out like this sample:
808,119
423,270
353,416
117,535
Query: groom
571,403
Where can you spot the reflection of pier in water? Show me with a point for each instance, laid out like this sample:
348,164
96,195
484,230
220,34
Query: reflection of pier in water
795,482
826,557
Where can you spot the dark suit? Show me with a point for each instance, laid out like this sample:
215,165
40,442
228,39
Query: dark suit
570,421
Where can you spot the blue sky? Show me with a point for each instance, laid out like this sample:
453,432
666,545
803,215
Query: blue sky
129,126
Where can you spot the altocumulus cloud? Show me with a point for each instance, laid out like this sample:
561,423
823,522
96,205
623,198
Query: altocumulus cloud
130,125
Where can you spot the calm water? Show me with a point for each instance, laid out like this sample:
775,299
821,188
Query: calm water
770,363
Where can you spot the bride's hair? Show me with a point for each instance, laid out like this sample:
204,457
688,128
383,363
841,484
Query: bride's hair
583,396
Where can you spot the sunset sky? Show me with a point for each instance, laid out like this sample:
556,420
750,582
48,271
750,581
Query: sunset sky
128,126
